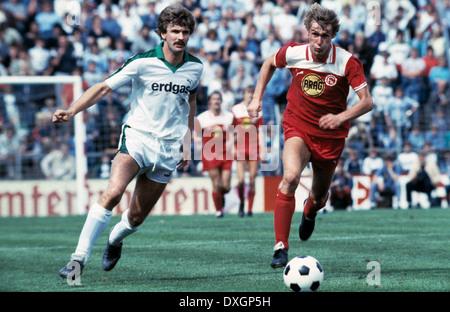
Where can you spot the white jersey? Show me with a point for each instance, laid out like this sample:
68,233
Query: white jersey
160,92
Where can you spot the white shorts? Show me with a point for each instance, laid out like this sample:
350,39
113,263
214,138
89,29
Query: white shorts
157,158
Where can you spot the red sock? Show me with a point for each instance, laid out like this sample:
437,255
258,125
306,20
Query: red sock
241,192
251,196
218,200
310,209
284,210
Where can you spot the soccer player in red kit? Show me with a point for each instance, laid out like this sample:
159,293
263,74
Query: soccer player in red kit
249,136
316,119
214,128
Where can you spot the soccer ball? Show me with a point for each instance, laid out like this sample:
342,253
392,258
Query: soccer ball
303,273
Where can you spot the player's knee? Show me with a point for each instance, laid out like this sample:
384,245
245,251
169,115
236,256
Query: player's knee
136,219
291,180
226,189
112,197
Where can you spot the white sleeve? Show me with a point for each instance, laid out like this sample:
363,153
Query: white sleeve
126,73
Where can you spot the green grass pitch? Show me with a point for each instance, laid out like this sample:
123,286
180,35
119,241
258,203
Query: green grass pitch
200,253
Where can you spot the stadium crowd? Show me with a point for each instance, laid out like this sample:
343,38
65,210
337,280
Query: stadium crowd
401,43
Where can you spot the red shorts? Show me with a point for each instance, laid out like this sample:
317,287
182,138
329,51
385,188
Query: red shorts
325,152
247,153
224,164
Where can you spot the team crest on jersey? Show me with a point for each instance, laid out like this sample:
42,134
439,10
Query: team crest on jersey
217,131
246,122
313,85
330,80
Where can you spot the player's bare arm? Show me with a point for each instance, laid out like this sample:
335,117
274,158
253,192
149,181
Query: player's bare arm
185,160
266,73
89,98
365,105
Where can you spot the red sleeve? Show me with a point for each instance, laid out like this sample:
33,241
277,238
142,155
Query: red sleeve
354,73
280,57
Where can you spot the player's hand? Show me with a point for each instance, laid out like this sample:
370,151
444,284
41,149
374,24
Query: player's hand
254,108
330,122
61,115
183,164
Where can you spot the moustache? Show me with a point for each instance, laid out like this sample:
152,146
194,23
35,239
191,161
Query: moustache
180,43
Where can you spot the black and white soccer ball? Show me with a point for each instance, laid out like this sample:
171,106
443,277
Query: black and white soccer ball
303,273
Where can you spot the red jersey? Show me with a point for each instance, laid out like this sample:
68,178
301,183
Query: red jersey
215,127
247,145
319,88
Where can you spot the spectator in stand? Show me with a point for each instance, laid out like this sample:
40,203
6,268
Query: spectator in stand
439,78
372,162
270,45
353,164
385,182
9,151
212,44
120,54
129,23
239,82
261,20
59,164
362,50
406,158
64,62
18,10
92,75
391,141
46,18
345,40
376,38
212,12
441,121
237,7
229,25
109,24
21,65
102,7
39,57
399,49
285,23
416,137
150,17
402,113
412,73
382,95
359,138
383,66
430,61
145,41
94,55
97,31
242,58
341,188
275,89
347,22
424,176
253,44
436,140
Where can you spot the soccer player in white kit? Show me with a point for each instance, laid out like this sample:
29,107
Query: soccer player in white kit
164,85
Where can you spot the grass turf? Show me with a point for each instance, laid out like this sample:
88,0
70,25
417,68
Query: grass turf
200,253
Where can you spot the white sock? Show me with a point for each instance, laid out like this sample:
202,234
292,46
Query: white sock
97,220
121,230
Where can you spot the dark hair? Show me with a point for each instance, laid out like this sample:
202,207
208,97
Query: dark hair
323,17
175,15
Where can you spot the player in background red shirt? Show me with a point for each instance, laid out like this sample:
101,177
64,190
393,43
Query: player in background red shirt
248,132
316,119
214,128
